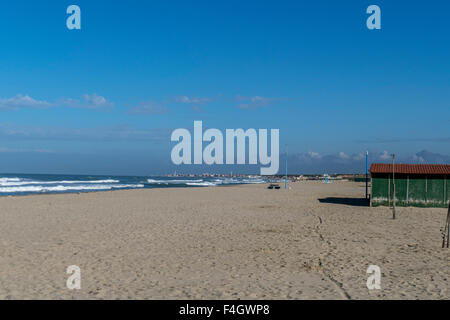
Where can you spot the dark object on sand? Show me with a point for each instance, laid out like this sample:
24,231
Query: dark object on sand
273,186
446,230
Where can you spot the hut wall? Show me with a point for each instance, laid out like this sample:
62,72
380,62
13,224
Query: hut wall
411,190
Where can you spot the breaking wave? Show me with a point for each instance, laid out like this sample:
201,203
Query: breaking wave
18,182
34,184
39,184
204,182
61,188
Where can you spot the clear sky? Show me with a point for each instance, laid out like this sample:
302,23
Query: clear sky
104,99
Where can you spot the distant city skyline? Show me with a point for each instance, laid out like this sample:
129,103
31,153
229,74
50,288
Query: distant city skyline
105,99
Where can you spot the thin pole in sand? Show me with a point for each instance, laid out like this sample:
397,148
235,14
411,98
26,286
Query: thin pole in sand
367,175
446,231
285,178
448,225
393,185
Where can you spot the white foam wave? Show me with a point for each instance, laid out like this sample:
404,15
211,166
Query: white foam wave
202,184
6,180
173,181
253,181
19,182
61,188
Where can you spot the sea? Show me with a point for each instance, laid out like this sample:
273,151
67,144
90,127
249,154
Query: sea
26,184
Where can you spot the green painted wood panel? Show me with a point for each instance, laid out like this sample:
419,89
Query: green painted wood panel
421,191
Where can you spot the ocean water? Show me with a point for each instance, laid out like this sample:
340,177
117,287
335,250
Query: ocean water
24,184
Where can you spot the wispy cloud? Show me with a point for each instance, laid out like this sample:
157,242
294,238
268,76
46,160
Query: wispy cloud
385,155
148,107
255,102
342,155
313,155
191,100
93,101
23,102
87,101
425,156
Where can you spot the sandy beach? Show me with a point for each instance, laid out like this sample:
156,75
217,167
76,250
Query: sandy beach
313,241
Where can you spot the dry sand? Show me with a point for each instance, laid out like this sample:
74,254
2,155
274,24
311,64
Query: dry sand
240,242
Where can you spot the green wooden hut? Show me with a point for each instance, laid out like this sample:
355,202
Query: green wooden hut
424,185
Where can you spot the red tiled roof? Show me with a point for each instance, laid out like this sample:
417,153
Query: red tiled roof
411,168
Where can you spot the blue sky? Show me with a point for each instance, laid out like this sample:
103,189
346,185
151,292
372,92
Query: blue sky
104,99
